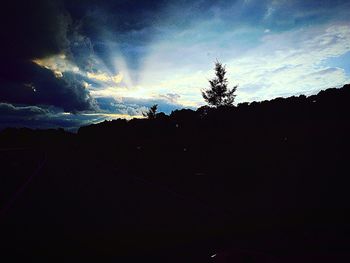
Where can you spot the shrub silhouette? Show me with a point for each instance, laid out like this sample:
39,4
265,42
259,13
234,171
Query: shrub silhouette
151,113
218,94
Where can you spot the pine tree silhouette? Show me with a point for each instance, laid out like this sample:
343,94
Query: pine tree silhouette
218,94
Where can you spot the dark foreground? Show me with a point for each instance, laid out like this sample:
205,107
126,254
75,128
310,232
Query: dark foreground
266,182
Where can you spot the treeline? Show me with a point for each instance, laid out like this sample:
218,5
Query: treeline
331,104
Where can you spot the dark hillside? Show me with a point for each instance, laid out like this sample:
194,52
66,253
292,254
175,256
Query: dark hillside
269,178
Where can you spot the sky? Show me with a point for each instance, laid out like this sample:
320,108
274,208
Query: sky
70,63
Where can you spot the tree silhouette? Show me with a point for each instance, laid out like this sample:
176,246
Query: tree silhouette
151,113
218,94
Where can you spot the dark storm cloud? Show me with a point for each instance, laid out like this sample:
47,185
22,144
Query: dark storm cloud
81,50
130,24
30,30
28,83
121,15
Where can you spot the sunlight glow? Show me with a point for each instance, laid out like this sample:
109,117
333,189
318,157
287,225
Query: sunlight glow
57,64
111,116
104,77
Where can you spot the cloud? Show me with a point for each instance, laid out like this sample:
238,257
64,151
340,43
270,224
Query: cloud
81,50
57,64
171,97
10,110
29,83
122,26
136,106
292,62
12,115
284,15
106,78
39,31
32,29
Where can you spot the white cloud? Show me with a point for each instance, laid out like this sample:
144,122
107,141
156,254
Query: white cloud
106,78
292,62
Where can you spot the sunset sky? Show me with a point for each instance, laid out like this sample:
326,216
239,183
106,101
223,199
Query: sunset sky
70,63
